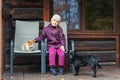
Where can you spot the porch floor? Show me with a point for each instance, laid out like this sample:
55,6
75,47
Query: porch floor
85,73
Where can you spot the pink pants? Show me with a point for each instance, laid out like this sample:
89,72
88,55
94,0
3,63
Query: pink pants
52,56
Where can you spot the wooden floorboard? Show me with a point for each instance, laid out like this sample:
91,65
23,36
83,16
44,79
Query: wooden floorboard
85,73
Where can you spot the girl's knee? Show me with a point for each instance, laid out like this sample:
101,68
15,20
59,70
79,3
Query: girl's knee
61,55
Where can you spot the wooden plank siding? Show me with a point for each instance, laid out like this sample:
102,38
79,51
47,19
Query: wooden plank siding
98,42
30,11
95,45
27,13
26,4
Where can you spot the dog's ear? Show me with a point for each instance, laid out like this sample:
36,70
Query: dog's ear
75,52
71,52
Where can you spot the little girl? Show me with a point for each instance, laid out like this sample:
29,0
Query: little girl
55,43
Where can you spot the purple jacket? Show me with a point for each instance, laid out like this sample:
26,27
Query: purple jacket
55,36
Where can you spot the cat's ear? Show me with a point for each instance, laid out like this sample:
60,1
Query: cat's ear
33,41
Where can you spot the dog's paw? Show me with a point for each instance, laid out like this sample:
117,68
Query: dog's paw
75,74
94,76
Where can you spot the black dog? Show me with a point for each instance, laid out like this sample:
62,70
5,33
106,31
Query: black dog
80,61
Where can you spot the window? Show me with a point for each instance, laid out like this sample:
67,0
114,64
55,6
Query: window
70,12
99,15
86,15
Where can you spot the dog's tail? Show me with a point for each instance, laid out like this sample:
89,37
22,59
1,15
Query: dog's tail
99,66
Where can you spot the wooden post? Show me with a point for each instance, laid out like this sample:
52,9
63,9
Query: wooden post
46,11
117,52
0,39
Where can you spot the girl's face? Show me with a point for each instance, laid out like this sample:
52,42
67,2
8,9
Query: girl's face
54,22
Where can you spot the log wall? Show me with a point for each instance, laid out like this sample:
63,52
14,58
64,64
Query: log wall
103,45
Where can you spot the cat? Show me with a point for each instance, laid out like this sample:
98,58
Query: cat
28,46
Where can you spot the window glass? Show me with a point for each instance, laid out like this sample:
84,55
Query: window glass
99,15
70,12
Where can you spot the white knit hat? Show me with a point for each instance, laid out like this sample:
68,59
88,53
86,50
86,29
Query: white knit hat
56,17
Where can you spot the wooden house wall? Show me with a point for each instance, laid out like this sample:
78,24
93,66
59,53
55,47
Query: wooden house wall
21,10
103,45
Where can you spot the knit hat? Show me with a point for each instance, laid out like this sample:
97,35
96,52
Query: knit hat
56,17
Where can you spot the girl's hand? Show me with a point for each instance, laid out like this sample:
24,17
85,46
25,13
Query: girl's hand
62,48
